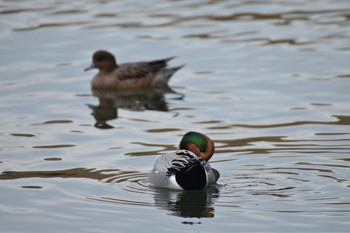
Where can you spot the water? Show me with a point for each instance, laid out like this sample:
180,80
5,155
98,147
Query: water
268,81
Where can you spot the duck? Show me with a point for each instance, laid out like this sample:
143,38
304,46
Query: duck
144,74
187,168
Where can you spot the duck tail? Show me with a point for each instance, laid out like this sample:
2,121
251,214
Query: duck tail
165,74
176,68
159,64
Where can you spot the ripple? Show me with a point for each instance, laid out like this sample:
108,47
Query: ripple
66,173
128,188
16,10
340,120
124,187
53,159
54,146
51,24
163,130
31,187
55,122
299,181
23,135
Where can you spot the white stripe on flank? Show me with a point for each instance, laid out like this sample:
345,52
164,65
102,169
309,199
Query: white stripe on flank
173,184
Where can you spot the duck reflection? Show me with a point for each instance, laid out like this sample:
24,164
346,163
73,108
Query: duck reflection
132,99
188,204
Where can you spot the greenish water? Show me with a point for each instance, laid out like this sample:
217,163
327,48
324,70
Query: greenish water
268,81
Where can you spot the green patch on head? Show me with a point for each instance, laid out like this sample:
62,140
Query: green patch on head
196,138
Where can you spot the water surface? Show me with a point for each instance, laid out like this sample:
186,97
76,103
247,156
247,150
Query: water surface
268,81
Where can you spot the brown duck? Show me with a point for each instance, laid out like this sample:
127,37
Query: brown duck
129,75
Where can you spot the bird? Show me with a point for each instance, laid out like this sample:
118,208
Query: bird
188,167
144,74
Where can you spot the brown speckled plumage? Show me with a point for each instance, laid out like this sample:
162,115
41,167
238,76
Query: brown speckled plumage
129,75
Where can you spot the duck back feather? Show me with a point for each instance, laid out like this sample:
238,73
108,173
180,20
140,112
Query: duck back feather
182,170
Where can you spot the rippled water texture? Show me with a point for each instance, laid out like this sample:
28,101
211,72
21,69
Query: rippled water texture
268,81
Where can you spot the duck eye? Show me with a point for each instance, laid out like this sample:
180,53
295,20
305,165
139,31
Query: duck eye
99,59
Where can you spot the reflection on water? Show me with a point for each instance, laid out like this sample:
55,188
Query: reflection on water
133,99
187,204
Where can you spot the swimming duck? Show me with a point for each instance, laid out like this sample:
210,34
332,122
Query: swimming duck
188,167
129,75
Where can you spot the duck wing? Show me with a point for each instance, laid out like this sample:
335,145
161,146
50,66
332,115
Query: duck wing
184,161
141,69
189,171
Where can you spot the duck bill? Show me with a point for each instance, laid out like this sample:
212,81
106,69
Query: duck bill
92,66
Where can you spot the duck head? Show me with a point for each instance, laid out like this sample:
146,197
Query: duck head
199,144
104,61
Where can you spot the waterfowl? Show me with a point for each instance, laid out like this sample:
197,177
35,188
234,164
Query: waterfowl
129,75
188,167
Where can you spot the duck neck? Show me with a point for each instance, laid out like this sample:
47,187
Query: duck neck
203,155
